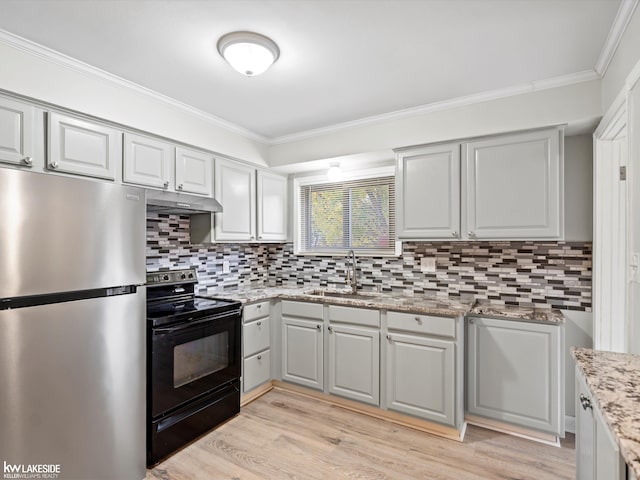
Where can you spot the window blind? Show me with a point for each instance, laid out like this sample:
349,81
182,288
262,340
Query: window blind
357,214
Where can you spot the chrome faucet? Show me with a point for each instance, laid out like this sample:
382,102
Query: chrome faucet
352,277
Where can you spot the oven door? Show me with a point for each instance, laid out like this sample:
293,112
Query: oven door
191,359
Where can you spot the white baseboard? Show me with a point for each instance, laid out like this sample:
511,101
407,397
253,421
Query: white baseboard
569,424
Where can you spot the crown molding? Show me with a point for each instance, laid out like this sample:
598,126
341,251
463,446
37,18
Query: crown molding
529,87
625,12
76,65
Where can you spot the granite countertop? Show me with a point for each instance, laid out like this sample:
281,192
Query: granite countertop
451,307
614,381
529,314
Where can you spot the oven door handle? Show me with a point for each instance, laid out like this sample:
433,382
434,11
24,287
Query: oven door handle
183,326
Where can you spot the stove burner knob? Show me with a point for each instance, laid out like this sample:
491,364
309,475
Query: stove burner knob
166,277
191,275
183,276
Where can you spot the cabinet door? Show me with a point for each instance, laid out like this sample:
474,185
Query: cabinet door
256,370
193,172
235,187
585,441
512,186
302,354
354,363
16,132
421,377
513,373
83,148
272,207
147,161
609,464
428,192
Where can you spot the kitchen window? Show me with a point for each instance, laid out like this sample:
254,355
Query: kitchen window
355,214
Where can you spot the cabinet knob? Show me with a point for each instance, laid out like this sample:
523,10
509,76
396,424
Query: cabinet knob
259,306
180,187
419,320
260,237
166,184
258,323
319,327
259,357
27,161
454,234
54,165
472,321
471,234
388,337
585,401
330,328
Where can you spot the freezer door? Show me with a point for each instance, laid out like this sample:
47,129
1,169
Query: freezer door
73,387
60,234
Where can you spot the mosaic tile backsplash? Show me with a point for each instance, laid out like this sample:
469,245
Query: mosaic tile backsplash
537,273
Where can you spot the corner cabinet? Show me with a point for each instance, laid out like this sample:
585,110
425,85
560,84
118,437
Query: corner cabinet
235,188
17,137
512,186
82,147
515,373
303,344
505,187
428,190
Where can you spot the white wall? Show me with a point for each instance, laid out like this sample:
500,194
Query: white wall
568,104
626,56
578,188
43,79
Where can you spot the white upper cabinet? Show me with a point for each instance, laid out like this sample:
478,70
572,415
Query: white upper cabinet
147,161
272,206
428,189
512,186
194,171
82,147
235,186
499,188
16,132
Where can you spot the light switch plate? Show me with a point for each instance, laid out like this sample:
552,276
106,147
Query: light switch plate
428,264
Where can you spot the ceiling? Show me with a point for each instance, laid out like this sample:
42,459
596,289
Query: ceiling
341,60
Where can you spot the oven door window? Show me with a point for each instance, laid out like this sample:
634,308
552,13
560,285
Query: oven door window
199,358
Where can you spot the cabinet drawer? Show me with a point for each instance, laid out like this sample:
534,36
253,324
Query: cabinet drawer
256,370
256,310
357,316
426,324
256,336
302,309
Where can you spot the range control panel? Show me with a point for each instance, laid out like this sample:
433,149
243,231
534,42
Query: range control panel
172,276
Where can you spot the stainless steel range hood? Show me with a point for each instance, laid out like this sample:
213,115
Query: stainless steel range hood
180,203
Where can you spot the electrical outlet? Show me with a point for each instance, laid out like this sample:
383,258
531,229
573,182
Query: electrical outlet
226,268
428,264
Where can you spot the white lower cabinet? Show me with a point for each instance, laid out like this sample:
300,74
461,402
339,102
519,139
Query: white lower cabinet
421,377
303,344
354,363
597,454
256,345
515,372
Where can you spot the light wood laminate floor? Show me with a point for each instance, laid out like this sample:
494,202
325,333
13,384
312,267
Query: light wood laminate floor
283,435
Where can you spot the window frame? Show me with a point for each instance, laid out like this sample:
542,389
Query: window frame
320,179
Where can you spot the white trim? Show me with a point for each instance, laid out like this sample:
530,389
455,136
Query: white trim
625,12
569,424
529,87
71,63
633,77
319,178
612,115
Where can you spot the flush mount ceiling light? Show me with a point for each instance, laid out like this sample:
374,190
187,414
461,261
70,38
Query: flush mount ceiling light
334,174
247,52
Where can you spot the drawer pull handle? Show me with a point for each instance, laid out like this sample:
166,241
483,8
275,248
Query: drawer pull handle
585,401
419,320
259,357
259,306
258,323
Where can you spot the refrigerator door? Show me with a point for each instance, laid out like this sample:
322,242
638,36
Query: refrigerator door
73,387
60,234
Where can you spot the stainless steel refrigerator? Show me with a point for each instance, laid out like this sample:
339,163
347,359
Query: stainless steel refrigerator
72,327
